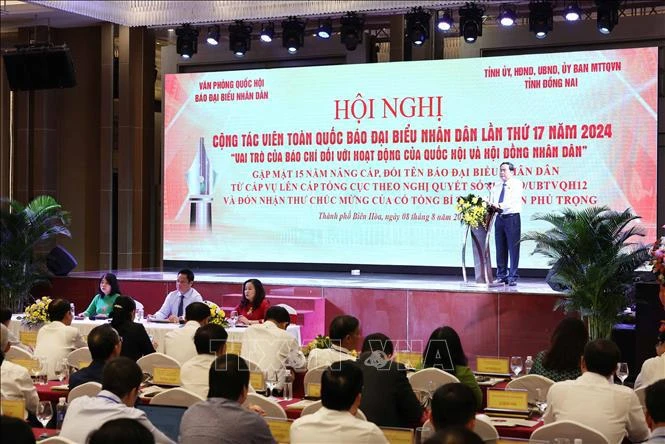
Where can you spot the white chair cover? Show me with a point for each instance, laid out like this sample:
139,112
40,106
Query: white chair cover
429,379
56,440
149,362
531,383
87,389
293,313
75,357
570,430
313,376
272,408
486,431
177,396
18,353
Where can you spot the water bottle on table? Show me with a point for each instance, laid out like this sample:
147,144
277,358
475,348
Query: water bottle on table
60,412
528,364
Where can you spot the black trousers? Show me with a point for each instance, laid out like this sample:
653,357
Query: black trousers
507,232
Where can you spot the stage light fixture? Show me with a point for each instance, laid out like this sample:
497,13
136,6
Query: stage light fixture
541,20
324,30
607,15
470,22
293,34
572,12
444,20
213,35
267,32
187,43
417,26
240,38
351,32
507,15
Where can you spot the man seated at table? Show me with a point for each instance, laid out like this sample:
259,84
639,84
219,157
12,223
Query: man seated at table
58,338
270,346
453,405
176,302
15,381
104,344
454,435
653,369
179,343
344,333
595,401
341,387
222,418
654,399
387,398
210,342
120,387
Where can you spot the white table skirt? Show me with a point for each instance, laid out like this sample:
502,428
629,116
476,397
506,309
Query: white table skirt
156,330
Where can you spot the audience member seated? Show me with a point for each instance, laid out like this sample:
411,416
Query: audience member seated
387,397
270,346
15,381
179,343
120,387
655,414
104,344
453,405
19,430
210,342
102,303
335,421
595,401
454,435
121,430
444,351
58,338
253,305
344,332
176,302
221,418
6,319
135,340
562,360
653,369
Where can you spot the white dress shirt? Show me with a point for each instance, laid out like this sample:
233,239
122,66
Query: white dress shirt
333,426
88,413
194,374
272,348
512,197
55,341
326,356
592,400
179,343
172,301
653,369
16,384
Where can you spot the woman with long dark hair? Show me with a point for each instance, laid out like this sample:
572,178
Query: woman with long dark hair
444,351
102,303
253,305
562,360
135,340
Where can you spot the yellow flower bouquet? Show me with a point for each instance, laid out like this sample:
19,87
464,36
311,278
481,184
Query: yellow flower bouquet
472,210
321,342
37,313
217,315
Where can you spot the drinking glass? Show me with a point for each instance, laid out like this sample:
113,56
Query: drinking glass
271,382
622,371
233,319
44,412
61,370
516,365
38,369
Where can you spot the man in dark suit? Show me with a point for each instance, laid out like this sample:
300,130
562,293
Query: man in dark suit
387,397
104,344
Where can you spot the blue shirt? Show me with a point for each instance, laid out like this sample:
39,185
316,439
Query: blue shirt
172,301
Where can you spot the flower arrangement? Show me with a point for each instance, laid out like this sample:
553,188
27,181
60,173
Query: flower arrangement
37,313
321,342
472,210
658,260
217,315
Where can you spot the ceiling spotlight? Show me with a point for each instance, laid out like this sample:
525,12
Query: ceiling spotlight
187,42
444,20
417,26
572,12
507,15
213,35
267,32
470,22
351,32
240,38
541,21
607,15
293,34
325,29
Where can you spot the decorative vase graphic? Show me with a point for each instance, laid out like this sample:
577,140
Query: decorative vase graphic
200,181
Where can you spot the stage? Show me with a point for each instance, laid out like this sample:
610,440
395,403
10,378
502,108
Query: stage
496,321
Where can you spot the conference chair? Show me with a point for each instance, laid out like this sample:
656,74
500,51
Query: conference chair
271,408
429,379
641,395
313,376
17,353
567,429
293,313
532,384
177,396
149,362
56,440
87,389
486,431
80,356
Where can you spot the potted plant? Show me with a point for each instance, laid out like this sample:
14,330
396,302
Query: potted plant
25,231
595,259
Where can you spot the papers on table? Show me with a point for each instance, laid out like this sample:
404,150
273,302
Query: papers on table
60,388
489,381
150,391
511,422
301,404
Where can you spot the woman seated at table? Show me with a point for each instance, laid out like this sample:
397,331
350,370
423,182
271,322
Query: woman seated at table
444,351
562,360
135,340
253,305
102,303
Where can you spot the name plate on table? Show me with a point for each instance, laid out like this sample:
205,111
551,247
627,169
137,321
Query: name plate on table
14,408
493,366
409,358
280,430
28,338
396,435
233,348
258,381
83,364
508,400
313,390
27,363
166,376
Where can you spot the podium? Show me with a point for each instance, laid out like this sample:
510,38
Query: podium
482,259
